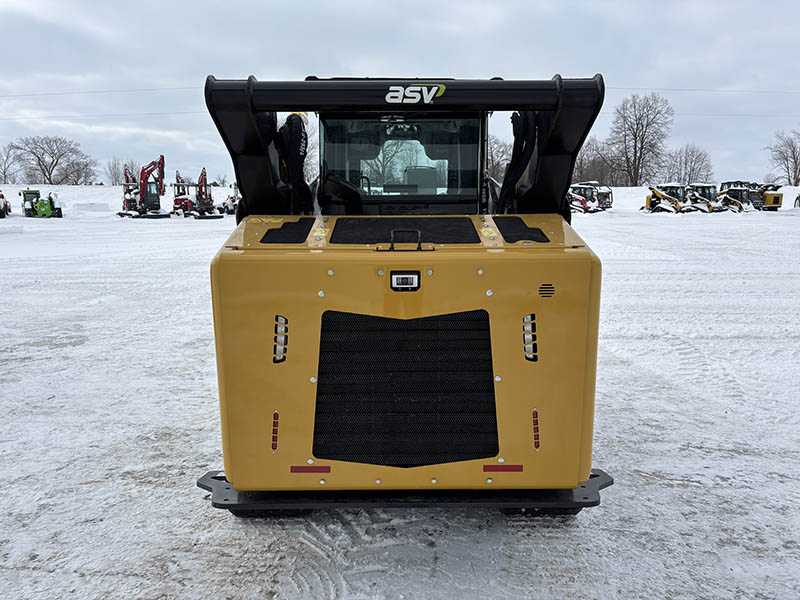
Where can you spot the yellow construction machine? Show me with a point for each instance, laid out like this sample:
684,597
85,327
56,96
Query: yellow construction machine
671,198
770,198
397,335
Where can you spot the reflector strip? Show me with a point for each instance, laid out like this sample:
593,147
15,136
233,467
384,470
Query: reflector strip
274,431
502,468
535,428
307,469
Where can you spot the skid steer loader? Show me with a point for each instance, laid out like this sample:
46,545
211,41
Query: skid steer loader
583,198
769,198
704,197
395,339
668,197
603,193
737,196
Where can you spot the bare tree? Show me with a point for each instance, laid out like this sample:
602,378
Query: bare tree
134,166
381,169
595,162
114,171
79,171
54,160
770,178
639,132
498,155
8,164
688,164
784,154
221,180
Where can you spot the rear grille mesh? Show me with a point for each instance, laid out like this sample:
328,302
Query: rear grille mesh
405,392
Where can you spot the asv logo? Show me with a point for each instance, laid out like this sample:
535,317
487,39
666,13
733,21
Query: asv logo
412,94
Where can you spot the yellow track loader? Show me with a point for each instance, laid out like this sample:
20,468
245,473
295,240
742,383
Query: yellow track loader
671,198
769,197
396,335
704,196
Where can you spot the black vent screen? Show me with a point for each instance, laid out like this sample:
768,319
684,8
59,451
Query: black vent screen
378,230
405,392
289,232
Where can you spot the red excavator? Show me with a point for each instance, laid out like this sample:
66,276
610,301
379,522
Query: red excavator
142,199
199,205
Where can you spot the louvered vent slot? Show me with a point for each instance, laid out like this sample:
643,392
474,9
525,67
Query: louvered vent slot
281,340
547,290
529,343
405,392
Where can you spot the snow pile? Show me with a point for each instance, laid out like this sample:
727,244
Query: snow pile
70,196
108,394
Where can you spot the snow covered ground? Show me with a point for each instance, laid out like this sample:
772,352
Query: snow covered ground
109,404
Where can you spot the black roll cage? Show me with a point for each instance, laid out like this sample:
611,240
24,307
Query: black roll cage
553,118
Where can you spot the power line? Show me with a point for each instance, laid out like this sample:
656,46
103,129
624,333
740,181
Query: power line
107,115
753,115
197,88
703,90
81,92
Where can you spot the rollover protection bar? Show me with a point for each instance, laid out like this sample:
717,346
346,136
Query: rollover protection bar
555,118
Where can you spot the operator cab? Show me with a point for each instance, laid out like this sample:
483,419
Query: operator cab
383,164
674,190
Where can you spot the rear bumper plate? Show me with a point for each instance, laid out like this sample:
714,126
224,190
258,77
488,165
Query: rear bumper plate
223,495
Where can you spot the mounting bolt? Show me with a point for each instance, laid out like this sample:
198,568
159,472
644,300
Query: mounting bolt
322,482
312,379
489,292
320,293
492,238
498,378
430,271
489,480
480,271
317,238
501,460
330,272
378,481
310,461
433,481
380,272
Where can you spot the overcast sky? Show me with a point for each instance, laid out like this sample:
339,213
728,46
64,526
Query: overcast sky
55,47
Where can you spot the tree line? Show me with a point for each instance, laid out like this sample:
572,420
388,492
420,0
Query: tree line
636,151
52,160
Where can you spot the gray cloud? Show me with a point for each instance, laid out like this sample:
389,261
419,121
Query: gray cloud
59,46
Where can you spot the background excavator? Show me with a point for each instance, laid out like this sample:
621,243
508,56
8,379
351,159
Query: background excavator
142,199
193,199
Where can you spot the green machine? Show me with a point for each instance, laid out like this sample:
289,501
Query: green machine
33,205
